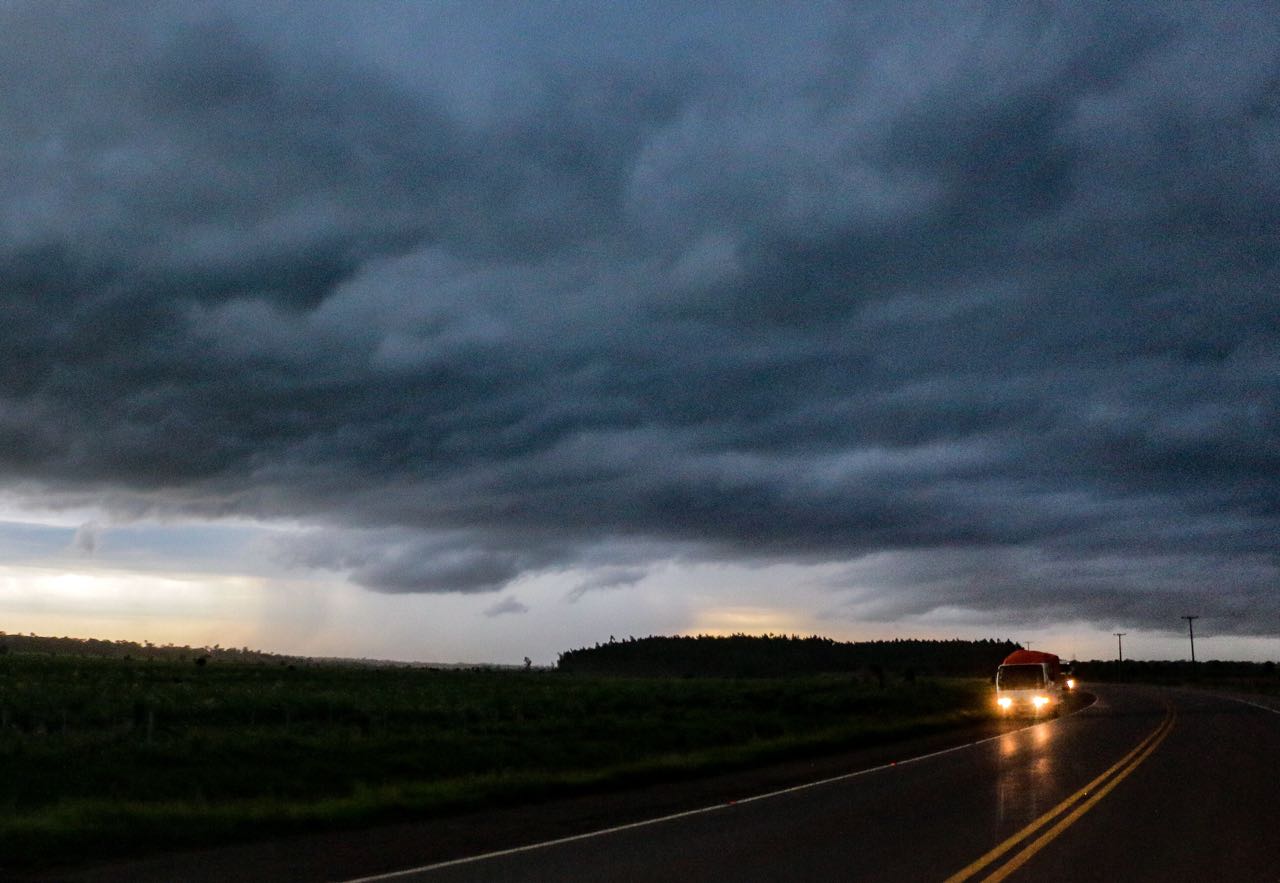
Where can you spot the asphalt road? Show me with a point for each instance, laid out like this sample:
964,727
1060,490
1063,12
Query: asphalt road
1146,784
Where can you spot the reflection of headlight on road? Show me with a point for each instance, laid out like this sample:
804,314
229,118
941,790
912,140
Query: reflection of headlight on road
1004,702
1040,701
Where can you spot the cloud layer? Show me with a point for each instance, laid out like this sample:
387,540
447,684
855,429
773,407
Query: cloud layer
981,301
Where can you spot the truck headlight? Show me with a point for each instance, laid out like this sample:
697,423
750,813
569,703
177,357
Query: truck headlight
1071,683
1040,701
1004,702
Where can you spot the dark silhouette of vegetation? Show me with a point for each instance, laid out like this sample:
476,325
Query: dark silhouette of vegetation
756,656
1261,676
32,643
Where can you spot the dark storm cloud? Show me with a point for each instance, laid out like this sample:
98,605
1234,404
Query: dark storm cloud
986,290
987,587
401,561
610,578
505,606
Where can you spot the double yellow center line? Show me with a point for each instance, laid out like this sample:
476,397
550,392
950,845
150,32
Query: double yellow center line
1065,813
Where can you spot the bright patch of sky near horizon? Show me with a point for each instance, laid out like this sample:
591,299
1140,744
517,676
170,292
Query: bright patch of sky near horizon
209,584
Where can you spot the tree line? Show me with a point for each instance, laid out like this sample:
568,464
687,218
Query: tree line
1176,671
771,655
105,649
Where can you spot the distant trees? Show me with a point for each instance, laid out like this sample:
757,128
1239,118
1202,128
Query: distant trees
784,655
1175,671
49,646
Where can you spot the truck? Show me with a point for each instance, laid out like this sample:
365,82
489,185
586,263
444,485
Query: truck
1032,682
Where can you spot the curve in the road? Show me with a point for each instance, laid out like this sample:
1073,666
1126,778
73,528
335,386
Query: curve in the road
604,832
1082,800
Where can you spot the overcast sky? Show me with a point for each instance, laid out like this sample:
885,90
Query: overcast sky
477,330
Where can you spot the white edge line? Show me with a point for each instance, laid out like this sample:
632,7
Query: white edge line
529,847
1254,704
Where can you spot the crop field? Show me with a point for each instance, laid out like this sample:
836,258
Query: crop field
110,756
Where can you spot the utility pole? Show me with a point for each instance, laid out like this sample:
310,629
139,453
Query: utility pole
1120,643
1192,633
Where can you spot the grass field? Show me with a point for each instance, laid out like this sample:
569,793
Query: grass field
105,756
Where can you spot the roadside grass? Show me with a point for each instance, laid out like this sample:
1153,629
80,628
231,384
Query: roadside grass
103,758
1256,686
